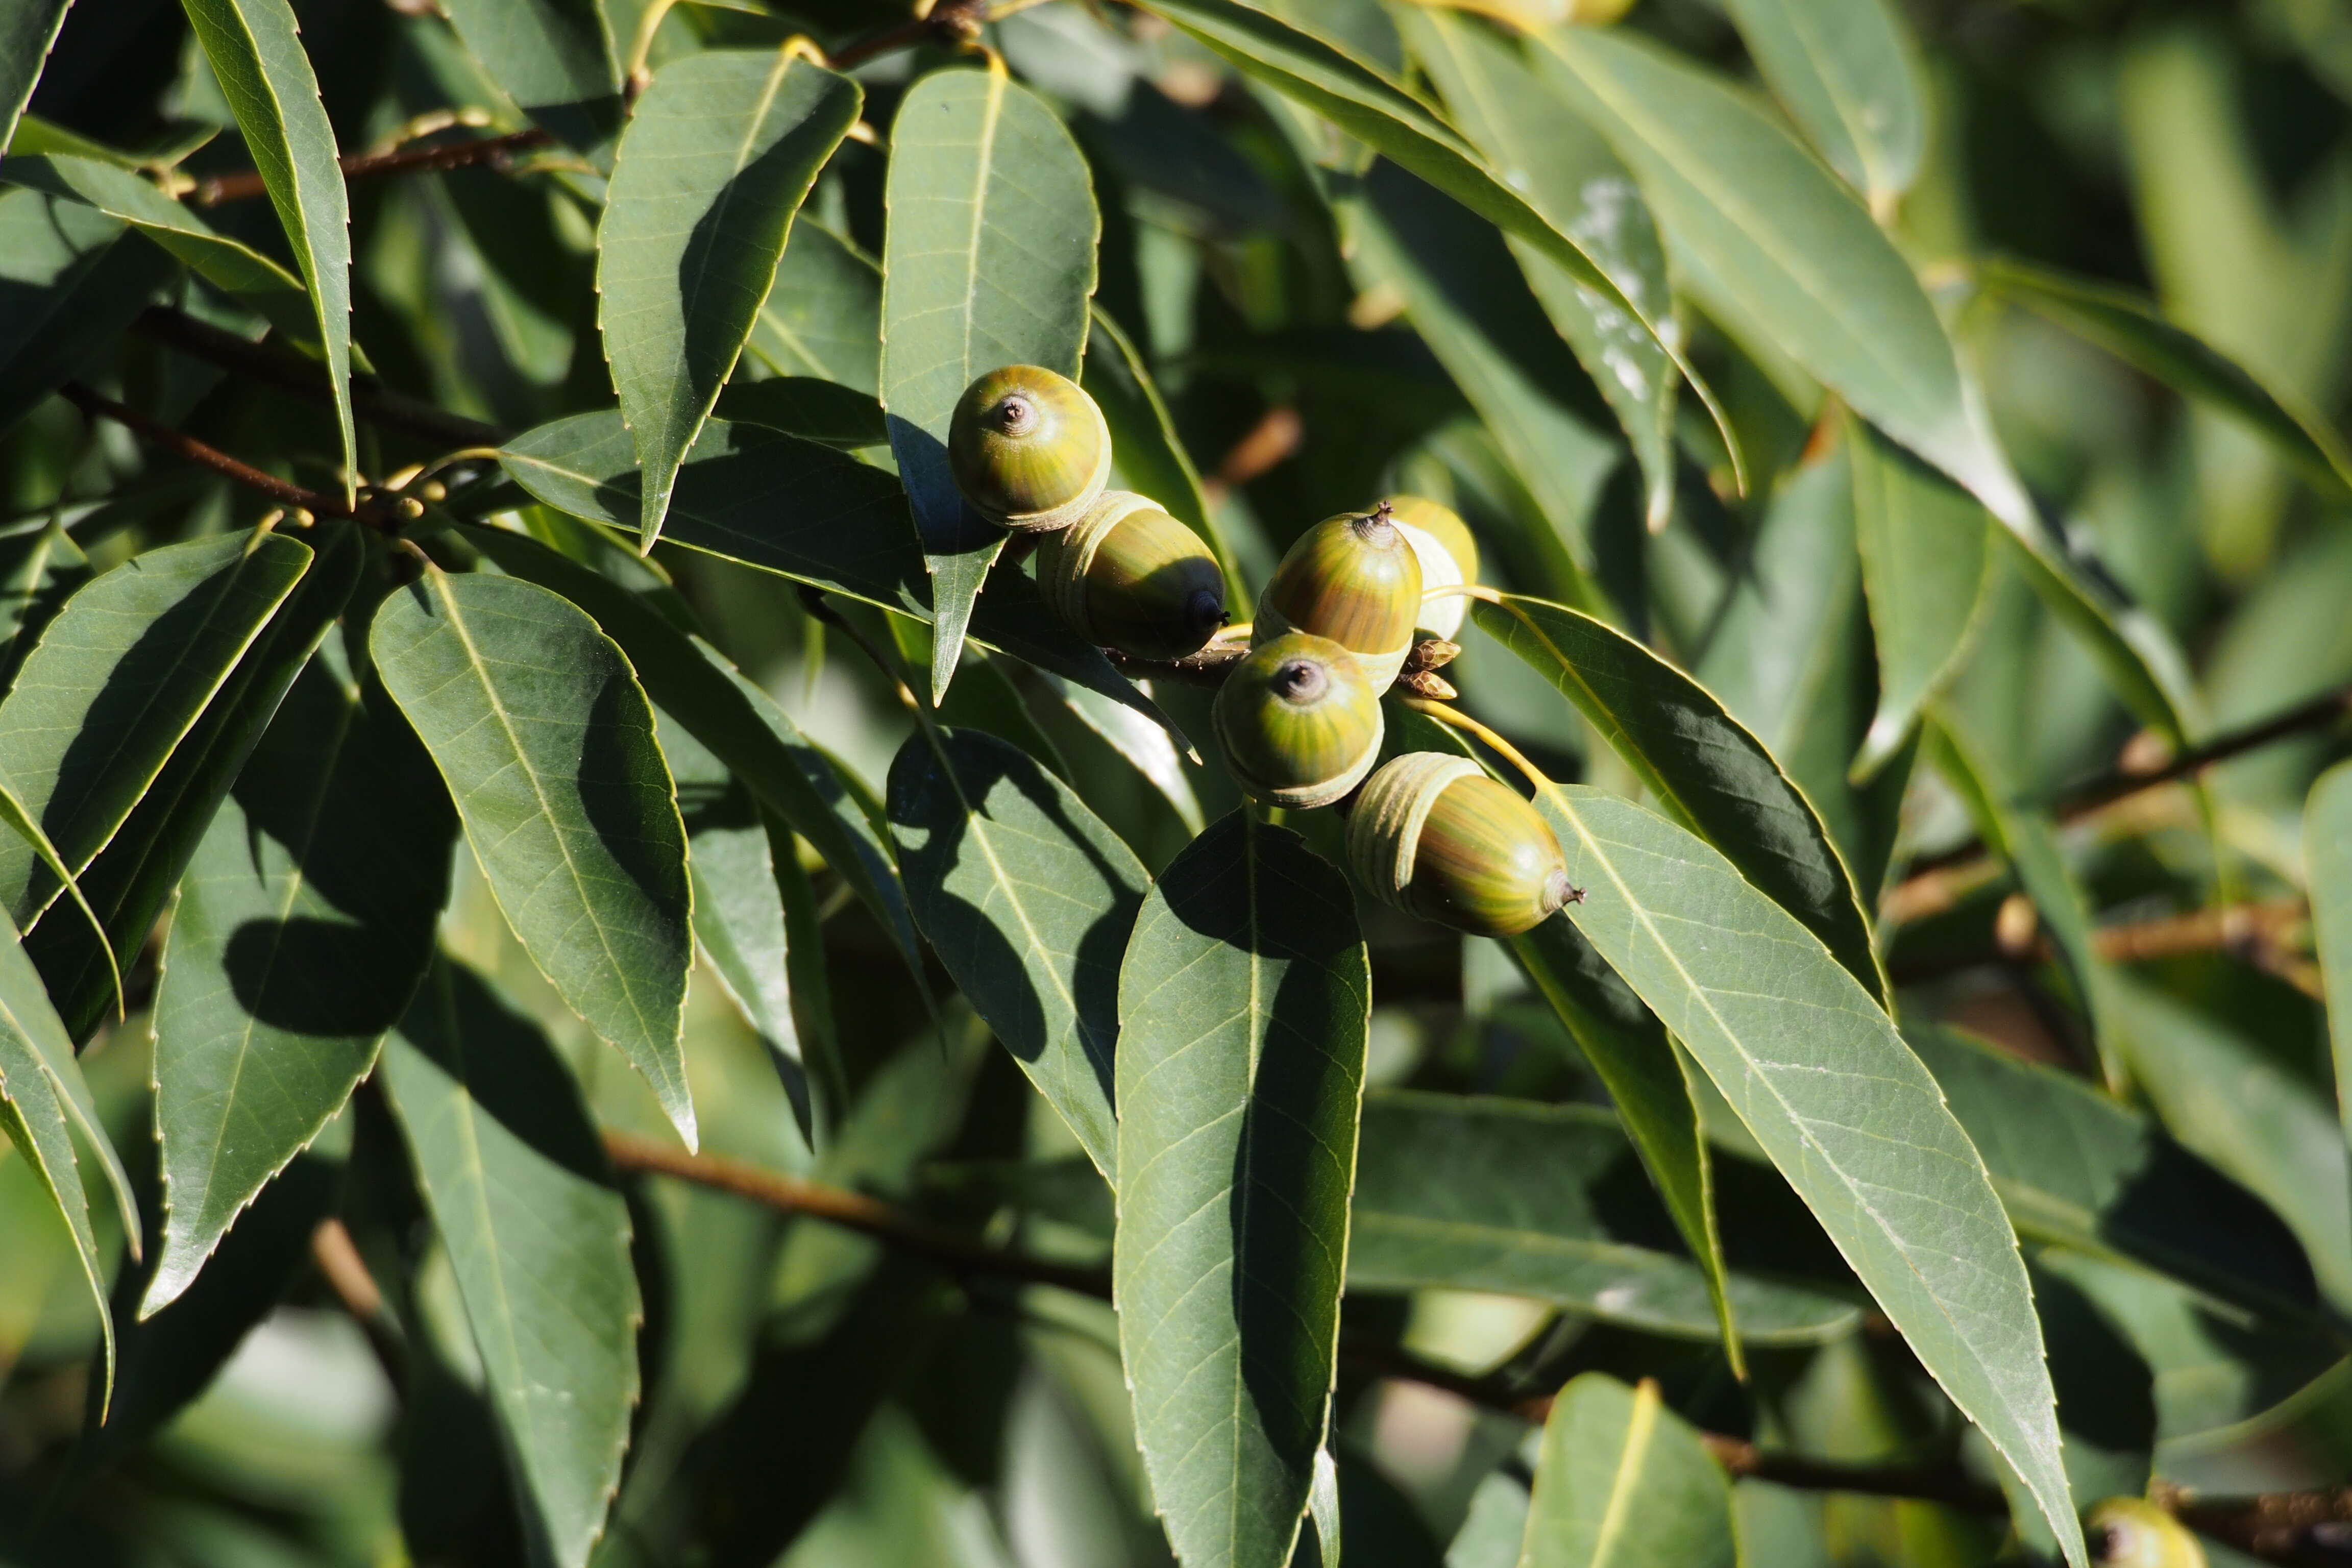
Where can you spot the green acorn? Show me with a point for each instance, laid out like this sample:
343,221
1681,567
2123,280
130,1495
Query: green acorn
1354,579
1129,576
1028,448
1300,725
1448,553
2131,1533
1433,836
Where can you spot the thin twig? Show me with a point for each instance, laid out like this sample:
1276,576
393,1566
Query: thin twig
182,445
495,149
948,22
2256,931
346,1274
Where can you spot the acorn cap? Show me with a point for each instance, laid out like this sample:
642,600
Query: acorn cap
1129,576
2131,1533
1433,836
1448,553
1028,448
1300,724
1352,578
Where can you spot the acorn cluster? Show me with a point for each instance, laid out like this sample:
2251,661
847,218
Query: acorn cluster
1299,715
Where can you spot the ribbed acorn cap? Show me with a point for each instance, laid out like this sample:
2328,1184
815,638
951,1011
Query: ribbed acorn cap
1300,725
1433,836
1028,448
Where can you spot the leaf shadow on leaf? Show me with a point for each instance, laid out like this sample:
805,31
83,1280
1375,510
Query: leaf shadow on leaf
2107,1394
507,1069
921,452
614,755
305,975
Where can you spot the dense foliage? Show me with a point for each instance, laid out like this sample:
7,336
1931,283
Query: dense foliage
602,967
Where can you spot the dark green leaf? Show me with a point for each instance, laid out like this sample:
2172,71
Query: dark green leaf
988,262
537,1238
1243,1004
305,921
1701,762
811,410
2327,861
717,157
1028,899
822,316
1623,1482
71,282
255,50
27,28
556,58
1924,556
1147,455
546,744
1844,69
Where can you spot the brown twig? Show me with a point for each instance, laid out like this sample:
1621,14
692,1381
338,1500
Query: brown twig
181,445
493,150
2258,932
948,22
346,1274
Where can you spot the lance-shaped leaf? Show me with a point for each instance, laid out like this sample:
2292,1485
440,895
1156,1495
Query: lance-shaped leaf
2134,330
1542,1200
1149,750
1846,73
1244,1006
546,742
43,1103
717,158
537,1238
1924,556
813,410
1701,762
803,509
27,29
1567,173
556,58
1028,899
255,50
989,260
1147,455
304,923
71,282
1623,1482
822,316
2077,1169
2327,862
1814,1068
120,678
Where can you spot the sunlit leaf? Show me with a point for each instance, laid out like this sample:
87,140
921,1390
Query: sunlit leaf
1624,1482
1845,69
556,58
27,29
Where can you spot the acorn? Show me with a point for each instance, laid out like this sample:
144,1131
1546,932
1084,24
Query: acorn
1301,725
1448,553
1028,448
1129,576
1433,836
1352,578
2131,1533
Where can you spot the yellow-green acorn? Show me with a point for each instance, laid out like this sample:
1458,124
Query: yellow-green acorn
1028,448
1448,555
2130,1532
1433,836
1129,576
1354,579
1300,725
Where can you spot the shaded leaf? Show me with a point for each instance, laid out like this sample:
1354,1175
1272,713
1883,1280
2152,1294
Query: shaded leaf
1145,746
38,573
1924,557
822,315
71,282
27,29
1623,1482
1845,71
1543,1201
989,260
517,1185
1028,899
2327,862
556,58
1243,1004
255,50
1701,762
305,921
546,742
717,157
811,410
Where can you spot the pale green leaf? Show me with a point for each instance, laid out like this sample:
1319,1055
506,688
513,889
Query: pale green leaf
717,157
71,281
305,921
2327,861
27,29
822,316
1623,1482
1845,70
537,1238
546,742
255,50
1244,1006
1814,1068
1028,899
989,260
557,60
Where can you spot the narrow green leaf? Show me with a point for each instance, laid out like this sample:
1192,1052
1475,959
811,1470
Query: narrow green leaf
28,31
71,282
813,410
119,678
718,156
1146,747
1147,455
1567,173
822,316
539,1240
1245,1002
1701,762
556,58
1845,70
1814,1068
256,52
1028,899
1623,1482
1924,560
1507,1195
305,922
2134,330
989,260
38,573
2327,862
2077,1169
546,742
806,511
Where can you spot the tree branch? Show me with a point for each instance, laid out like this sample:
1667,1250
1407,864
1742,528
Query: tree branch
492,150
2258,932
181,445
